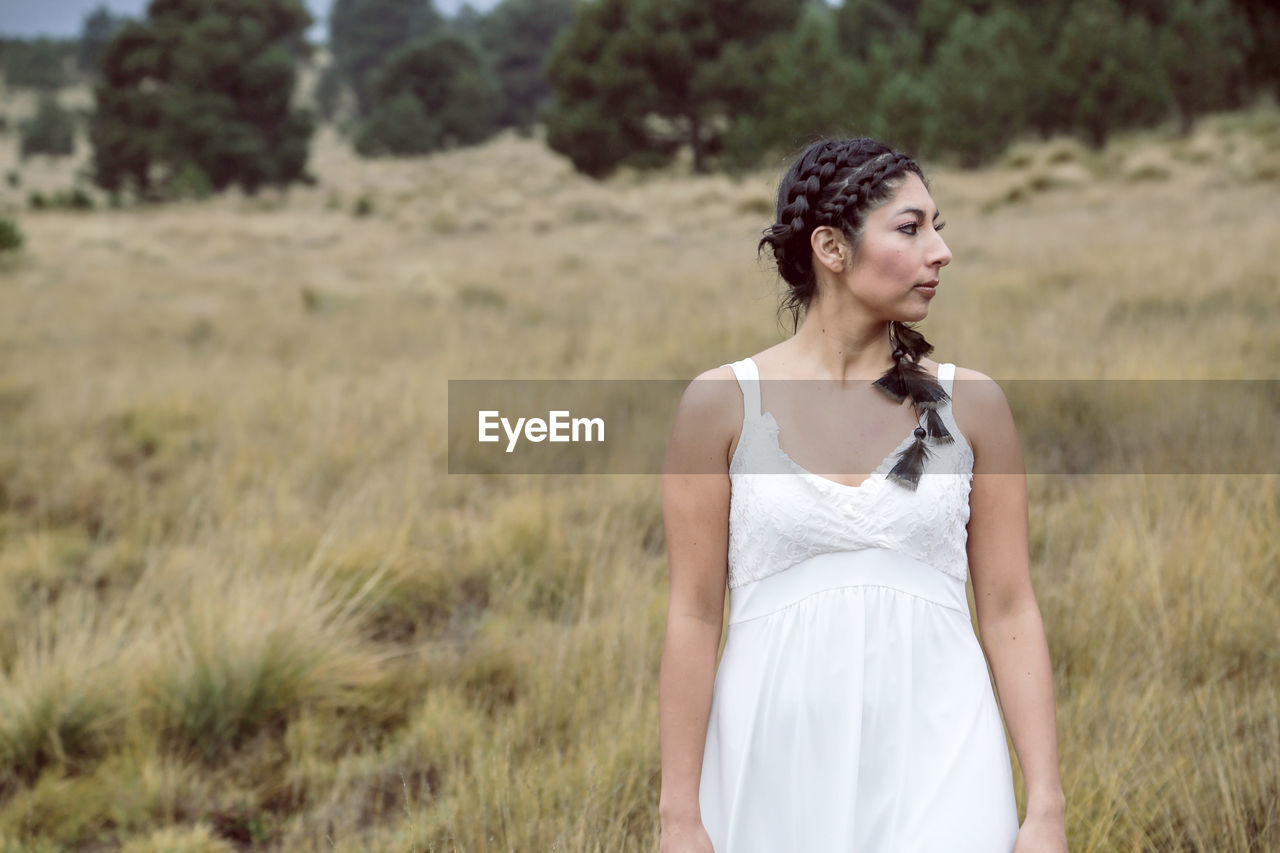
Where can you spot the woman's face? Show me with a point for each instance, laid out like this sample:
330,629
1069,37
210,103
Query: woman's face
898,263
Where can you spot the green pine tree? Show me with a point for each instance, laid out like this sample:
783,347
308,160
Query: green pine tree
1102,76
207,87
434,93
985,71
1202,50
1262,44
99,28
518,35
363,34
912,28
812,89
635,80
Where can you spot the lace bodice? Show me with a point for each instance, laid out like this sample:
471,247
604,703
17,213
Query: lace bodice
781,514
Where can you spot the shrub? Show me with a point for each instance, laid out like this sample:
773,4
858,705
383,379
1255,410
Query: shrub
73,199
10,235
191,182
51,131
312,300
76,198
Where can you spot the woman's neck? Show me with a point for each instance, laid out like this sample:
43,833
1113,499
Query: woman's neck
840,348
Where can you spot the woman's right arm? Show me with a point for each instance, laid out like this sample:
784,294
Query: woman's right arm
695,508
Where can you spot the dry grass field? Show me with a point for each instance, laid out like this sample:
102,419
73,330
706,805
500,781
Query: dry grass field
242,605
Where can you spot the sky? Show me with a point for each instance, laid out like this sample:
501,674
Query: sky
62,18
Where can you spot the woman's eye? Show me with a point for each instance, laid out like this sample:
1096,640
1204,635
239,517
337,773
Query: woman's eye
909,228
939,226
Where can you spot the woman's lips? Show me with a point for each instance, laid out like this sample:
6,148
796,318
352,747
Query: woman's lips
929,287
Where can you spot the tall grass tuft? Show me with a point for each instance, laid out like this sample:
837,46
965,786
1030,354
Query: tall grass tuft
245,649
63,694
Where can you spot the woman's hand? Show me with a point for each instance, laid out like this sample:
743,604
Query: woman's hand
686,835
1042,834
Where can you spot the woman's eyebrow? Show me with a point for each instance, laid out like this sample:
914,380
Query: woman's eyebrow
918,212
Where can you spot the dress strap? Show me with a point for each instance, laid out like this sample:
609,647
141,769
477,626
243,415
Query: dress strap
749,381
946,375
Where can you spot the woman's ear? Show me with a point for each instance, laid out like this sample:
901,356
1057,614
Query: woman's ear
831,248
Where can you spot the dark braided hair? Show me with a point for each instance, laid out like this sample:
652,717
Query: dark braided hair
837,182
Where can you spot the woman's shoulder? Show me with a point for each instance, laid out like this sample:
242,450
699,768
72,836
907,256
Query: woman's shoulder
711,385
708,418
976,386
979,404
713,396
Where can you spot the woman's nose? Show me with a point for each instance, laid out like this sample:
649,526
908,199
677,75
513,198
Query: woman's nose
941,255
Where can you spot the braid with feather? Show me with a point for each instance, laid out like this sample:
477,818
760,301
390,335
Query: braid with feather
836,183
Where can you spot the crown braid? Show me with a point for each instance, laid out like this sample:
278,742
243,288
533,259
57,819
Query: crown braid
837,182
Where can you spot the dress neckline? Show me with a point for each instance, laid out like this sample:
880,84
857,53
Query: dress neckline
878,475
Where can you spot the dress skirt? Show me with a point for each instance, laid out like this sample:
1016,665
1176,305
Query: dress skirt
853,712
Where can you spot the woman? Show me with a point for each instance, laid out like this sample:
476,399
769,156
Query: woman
852,708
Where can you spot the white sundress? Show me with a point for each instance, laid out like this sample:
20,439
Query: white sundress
853,711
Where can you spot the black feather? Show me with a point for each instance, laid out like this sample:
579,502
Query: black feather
923,388
906,472
936,429
893,384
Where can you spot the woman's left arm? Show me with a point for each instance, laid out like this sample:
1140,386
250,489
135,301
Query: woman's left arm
1009,623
